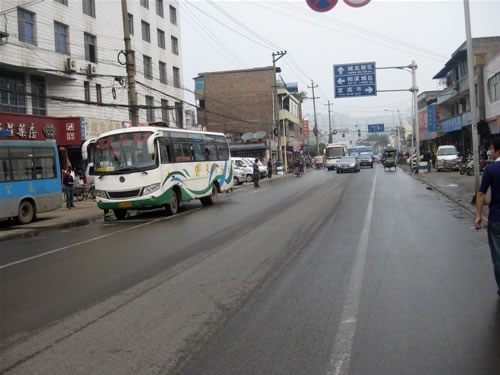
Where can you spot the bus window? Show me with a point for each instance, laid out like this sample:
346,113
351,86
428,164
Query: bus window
199,152
165,153
223,151
183,152
211,151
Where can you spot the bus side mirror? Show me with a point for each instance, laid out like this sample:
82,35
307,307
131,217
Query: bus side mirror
151,142
85,146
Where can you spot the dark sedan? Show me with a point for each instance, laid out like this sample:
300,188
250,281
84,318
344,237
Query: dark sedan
366,160
348,164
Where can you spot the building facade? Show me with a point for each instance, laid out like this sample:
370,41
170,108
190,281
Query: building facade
65,59
239,103
428,116
455,122
492,96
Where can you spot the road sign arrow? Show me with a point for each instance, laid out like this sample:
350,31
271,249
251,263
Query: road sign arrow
369,90
340,81
341,70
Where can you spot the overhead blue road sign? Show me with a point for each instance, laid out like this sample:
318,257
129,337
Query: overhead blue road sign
375,128
358,79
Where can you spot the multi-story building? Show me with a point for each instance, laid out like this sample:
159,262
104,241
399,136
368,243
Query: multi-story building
65,59
428,115
455,124
239,103
492,97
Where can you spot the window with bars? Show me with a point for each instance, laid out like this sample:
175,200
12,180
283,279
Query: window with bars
145,3
86,90
163,72
26,26
98,93
178,114
159,8
164,110
494,88
161,38
12,92
90,47
61,38
150,114
130,24
177,77
38,100
173,15
148,67
175,45
63,2
146,35
89,7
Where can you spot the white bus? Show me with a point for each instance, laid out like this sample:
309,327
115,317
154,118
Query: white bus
147,167
333,152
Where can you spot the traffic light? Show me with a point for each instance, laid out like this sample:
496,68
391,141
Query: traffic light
359,133
343,135
334,131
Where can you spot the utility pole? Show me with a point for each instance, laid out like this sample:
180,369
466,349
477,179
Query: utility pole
129,58
276,56
330,138
472,99
413,67
315,130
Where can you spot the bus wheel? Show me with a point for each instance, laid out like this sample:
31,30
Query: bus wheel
120,213
207,201
173,206
26,212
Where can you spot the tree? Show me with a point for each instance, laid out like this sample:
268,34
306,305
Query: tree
378,139
300,96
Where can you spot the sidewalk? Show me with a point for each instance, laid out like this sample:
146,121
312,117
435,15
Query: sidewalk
85,211
456,187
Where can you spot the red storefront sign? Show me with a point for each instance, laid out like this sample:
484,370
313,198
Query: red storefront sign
305,128
65,131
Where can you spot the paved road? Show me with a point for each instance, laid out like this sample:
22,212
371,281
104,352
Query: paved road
367,273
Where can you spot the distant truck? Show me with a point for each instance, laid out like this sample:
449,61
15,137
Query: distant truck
319,161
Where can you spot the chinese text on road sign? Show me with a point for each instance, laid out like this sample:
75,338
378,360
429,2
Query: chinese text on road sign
358,79
375,128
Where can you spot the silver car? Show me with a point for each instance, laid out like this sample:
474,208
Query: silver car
348,164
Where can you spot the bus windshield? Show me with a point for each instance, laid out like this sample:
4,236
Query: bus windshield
126,152
332,152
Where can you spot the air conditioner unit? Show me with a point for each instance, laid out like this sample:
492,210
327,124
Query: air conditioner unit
70,65
91,69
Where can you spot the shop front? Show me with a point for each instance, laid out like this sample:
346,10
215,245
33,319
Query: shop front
66,131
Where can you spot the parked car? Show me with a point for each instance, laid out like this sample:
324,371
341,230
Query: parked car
348,164
262,166
245,171
365,160
446,153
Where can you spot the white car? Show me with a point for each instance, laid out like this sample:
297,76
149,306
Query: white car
448,153
262,167
243,169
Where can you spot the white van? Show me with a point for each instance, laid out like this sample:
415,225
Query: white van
448,152
240,165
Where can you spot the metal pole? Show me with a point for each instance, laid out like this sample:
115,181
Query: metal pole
285,159
472,98
315,119
129,58
415,122
330,140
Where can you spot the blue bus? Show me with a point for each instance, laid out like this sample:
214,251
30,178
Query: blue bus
30,179
356,150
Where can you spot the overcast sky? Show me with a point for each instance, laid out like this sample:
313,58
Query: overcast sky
390,33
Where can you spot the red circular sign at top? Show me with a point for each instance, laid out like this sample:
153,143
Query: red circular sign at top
321,5
356,3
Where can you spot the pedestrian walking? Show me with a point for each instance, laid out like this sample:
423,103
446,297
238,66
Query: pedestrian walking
428,158
256,173
433,158
69,183
491,178
269,168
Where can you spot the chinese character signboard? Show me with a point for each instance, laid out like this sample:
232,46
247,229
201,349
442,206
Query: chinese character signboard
432,118
65,131
358,79
305,128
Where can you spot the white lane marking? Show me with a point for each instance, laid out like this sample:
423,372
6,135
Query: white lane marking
341,353
94,239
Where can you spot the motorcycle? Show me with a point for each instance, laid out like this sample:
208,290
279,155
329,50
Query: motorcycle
466,165
298,171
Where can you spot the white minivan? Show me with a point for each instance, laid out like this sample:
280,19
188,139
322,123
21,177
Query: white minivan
448,152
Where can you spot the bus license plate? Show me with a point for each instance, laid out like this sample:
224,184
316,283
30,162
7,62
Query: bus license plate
125,204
